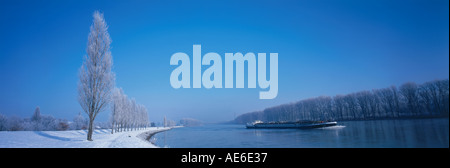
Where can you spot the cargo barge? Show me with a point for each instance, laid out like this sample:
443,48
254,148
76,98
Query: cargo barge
295,125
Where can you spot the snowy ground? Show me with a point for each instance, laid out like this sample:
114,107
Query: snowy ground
77,139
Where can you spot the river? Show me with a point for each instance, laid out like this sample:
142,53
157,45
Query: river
403,133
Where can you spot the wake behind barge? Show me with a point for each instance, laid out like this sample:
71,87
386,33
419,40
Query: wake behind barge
296,125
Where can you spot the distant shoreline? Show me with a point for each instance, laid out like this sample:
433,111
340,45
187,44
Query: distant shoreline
373,119
399,118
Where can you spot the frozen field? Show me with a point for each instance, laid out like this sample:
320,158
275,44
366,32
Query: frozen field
77,139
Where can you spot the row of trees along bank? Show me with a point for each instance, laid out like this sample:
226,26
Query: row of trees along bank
126,114
97,81
410,100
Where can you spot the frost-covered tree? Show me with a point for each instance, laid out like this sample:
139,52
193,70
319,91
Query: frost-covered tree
79,122
3,123
126,113
15,124
37,114
430,99
96,77
409,92
115,107
62,125
48,123
35,124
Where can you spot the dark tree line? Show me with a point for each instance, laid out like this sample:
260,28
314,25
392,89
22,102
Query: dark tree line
430,99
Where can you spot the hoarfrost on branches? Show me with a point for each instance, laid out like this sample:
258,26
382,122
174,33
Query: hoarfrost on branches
96,77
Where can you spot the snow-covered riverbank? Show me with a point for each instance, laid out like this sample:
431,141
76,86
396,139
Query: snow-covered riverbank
77,139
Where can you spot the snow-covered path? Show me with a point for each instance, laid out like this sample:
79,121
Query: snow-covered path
76,139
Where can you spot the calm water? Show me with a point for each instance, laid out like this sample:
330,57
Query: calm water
408,133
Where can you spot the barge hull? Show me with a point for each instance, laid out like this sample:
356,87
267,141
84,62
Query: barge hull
291,126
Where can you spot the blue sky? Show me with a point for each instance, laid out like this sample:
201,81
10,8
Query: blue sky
325,47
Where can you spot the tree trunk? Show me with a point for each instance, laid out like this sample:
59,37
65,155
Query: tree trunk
112,128
90,129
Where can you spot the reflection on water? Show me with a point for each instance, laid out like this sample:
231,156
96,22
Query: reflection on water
372,134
